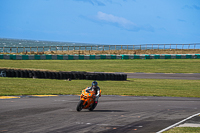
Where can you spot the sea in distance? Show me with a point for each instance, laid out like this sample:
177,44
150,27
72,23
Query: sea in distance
5,42
21,45
12,45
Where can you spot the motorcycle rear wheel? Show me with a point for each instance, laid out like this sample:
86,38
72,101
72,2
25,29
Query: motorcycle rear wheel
79,106
92,107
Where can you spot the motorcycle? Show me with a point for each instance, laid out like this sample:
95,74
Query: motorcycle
87,100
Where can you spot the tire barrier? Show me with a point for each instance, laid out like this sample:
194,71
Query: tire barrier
96,57
62,75
2,73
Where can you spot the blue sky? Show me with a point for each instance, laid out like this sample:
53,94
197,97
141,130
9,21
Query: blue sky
102,21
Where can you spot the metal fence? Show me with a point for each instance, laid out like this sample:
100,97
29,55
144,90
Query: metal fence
98,48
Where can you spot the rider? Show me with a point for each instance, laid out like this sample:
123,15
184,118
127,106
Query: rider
97,91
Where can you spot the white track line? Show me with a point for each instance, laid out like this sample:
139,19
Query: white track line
177,123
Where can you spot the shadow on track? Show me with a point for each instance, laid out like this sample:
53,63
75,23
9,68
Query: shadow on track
108,111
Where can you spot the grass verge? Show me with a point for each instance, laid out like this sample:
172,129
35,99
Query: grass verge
184,130
136,65
134,87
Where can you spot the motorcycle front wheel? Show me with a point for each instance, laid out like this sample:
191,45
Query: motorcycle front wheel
79,106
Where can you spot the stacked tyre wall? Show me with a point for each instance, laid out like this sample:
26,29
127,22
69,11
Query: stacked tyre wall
61,75
96,57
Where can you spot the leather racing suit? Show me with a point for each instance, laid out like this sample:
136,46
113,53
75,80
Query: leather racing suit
97,93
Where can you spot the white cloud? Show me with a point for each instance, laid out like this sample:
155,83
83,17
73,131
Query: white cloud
93,2
120,21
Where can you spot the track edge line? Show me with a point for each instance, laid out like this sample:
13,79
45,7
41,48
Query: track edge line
177,123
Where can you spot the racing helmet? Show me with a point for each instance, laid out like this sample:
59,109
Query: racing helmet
94,84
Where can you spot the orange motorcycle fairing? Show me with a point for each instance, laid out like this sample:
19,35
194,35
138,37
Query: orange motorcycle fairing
86,100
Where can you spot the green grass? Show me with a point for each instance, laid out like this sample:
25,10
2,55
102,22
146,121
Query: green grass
134,87
184,130
136,65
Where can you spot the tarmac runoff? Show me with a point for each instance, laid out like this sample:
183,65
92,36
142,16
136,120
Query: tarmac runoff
186,76
194,123
189,125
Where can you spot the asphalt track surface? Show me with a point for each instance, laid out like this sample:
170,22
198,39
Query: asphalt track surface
187,76
117,114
